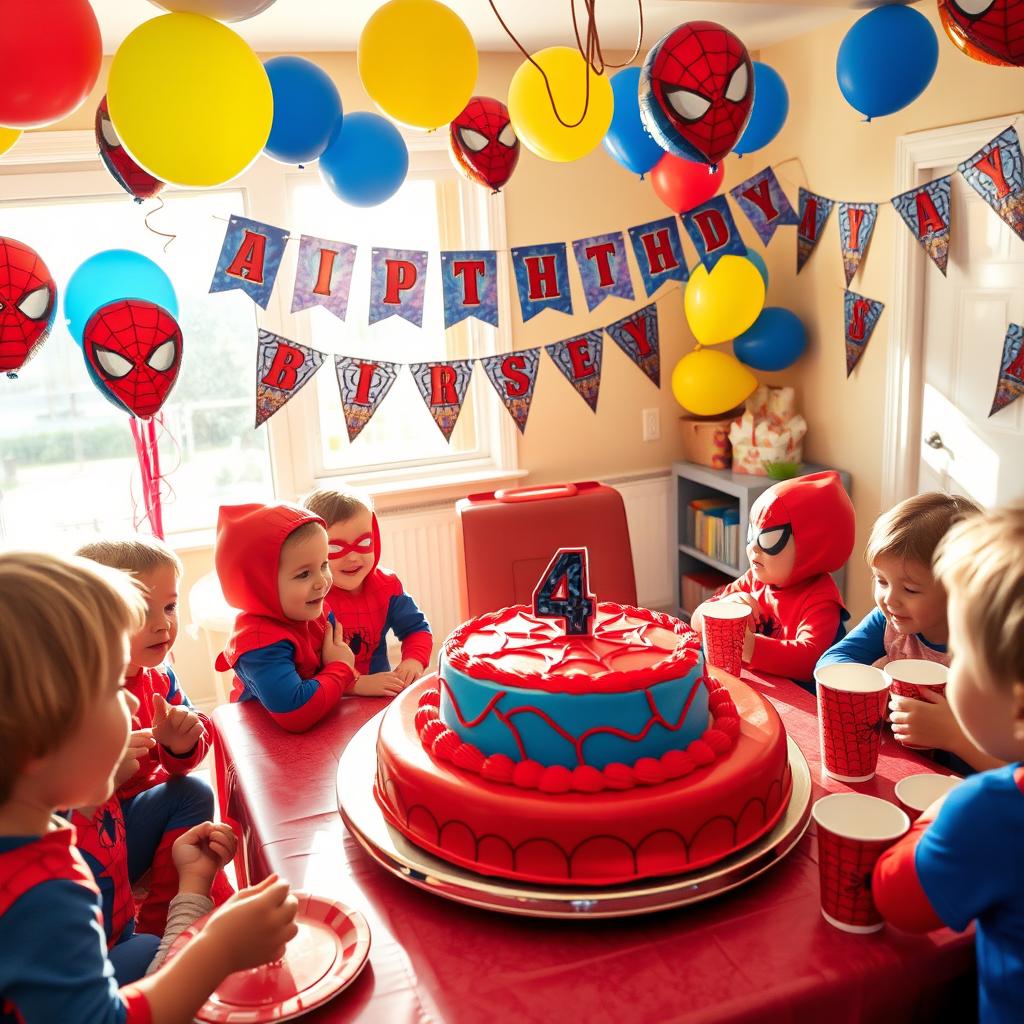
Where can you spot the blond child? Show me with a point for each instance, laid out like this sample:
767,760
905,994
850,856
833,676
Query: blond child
64,728
368,601
961,862
909,618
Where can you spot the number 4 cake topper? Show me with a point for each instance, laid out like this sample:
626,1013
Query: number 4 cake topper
563,592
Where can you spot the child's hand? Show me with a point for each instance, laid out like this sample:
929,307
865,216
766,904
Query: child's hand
176,727
409,670
740,597
925,723
379,684
140,743
200,853
254,925
334,647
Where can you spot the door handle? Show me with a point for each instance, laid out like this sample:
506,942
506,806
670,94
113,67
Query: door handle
934,440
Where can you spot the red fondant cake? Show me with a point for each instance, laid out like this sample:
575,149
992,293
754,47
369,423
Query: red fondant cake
497,765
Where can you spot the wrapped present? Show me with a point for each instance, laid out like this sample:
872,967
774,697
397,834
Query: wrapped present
770,430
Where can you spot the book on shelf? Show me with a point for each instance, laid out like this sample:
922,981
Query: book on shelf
713,525
701,585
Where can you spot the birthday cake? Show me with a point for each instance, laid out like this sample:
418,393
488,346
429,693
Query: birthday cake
590,759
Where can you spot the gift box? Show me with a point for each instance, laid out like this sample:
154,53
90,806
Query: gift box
706,439
770,430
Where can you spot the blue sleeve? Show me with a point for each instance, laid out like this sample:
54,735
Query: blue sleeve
269,673
175,694
405,617
53,963
969,859
864,645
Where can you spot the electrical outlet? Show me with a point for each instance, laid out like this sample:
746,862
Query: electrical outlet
651,424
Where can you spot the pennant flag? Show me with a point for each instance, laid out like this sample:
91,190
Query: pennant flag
814,211
323,275
1010,385
363,384
761,198
637,336
861,317
542,278
995,172
249,259
470,282
579,359
443,387
856,222
926,212
603,267
514,375
397,284
283,368
659,253
714,232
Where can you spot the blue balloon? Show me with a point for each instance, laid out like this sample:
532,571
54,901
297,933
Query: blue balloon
627,139
771,105
111,275
307,109
758,260
366,160
886,60
776,340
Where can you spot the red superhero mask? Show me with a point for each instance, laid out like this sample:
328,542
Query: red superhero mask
28,304
814,513
991,31
362,545
125,171
696,91
483,142
133,353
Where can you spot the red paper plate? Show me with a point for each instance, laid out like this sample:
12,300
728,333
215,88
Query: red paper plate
327,954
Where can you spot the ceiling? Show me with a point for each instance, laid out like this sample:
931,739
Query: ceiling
320,25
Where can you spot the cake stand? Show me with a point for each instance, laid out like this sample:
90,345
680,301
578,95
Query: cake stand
386,845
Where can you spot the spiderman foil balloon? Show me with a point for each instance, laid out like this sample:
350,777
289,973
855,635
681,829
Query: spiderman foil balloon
483,142
990,31
696,91
28,304
133,354
125,171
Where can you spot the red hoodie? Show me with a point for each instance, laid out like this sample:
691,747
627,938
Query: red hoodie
276,659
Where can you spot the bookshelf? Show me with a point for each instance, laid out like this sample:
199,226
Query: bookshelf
691,482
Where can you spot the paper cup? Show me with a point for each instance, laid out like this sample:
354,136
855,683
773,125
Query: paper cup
916,678
851,715
916,793
725,626
853,832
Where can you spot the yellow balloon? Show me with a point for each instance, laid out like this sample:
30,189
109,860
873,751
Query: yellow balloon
8,137
708,382
533,117
189,100
418,62
723,304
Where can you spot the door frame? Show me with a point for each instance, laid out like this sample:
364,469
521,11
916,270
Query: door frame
918,154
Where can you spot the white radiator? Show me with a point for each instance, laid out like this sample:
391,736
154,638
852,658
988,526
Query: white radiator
419,545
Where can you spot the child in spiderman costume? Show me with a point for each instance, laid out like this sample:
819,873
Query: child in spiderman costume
272,564
800,531
64,730
366,600
962,860
159,799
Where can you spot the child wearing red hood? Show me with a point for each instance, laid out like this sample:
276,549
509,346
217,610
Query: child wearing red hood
800,531
272,564
368,601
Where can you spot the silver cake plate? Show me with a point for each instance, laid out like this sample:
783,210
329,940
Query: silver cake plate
386,845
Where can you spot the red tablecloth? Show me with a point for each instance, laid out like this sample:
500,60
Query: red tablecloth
760,953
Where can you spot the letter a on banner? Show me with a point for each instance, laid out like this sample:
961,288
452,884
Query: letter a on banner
579,359
514,375
323,275
249,259
861,317
1010,385
926,212
283,369
363,384
397,284
443,387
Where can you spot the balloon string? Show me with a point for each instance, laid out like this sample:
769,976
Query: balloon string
163,234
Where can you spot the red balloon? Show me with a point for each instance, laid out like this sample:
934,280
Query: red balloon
483,142
962,34
124,170
50,54
28,304
682,185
